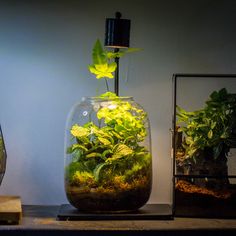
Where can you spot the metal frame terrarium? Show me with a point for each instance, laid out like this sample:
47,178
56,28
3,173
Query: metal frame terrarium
204,142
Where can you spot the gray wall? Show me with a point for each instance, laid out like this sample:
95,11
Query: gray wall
45,47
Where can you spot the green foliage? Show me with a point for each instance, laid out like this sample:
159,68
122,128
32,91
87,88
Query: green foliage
208,127
112,55
103,66
99,55
83,178
112,149
108,95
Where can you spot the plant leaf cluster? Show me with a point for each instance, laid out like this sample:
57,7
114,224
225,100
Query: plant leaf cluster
103,66
209,127
113,149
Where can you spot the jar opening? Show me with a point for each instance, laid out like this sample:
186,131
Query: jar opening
103,99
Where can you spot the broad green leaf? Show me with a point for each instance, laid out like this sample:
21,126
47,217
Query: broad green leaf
119,128
189,140
213,124
79,131
77,155
223,94
120,150
105,153
214,96
93,154
117,135
103,70
123,149
103,112
130,139
79,146
99,56
104,141
98,169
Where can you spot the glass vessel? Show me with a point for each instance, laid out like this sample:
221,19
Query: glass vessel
108,164
3,157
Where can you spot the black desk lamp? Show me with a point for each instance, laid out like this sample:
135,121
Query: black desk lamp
117,36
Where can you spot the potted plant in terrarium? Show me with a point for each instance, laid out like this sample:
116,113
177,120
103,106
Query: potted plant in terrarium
205,138
107,148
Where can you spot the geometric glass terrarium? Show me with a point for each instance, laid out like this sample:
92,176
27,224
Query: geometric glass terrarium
204,145
3,157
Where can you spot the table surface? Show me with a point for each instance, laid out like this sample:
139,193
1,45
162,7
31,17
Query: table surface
43,218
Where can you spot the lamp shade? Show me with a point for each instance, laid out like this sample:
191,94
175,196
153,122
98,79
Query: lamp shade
117,32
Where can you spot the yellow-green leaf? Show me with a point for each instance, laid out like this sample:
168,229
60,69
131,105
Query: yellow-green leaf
93,154
78,146
103,70
210,134
104,141
121,150
78,131
99,56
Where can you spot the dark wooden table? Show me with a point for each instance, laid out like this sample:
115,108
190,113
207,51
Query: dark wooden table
41,220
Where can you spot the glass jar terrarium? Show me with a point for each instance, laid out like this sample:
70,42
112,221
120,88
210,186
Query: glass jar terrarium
108,165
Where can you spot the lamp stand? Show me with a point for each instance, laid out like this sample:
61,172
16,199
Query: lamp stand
116,83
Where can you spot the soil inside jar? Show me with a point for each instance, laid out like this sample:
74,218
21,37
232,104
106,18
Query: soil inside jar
110,199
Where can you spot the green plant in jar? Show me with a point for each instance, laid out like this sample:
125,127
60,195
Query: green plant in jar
110,160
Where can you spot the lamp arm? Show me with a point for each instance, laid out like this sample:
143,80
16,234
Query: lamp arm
116,82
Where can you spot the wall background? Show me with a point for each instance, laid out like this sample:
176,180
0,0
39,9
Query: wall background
45,47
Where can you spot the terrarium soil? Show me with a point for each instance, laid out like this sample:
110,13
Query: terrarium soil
108,199
187,193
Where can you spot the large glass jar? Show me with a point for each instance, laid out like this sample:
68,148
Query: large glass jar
108,164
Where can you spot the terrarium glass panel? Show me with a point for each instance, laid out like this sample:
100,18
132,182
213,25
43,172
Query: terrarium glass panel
3,157
204,145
